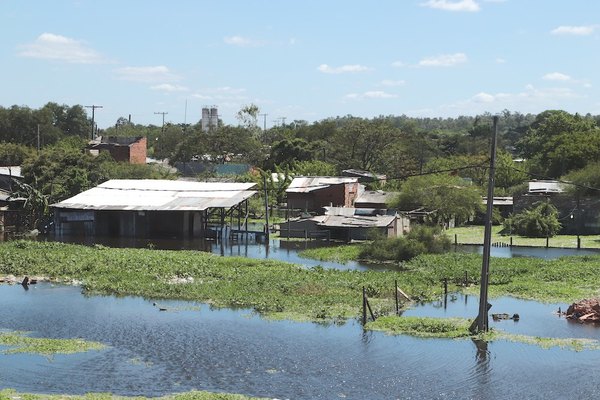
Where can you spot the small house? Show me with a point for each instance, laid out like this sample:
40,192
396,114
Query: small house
131,150
152,208
311,193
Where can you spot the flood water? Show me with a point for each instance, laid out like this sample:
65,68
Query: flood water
191,346
524,251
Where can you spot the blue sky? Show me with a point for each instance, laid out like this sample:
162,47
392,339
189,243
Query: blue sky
301,60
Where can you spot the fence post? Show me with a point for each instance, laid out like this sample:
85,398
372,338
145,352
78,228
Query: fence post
364,308
455,239
511,244
466,278
396,295
445,286
547,241
578,242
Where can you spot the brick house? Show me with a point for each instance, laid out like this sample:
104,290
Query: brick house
311,193
131,150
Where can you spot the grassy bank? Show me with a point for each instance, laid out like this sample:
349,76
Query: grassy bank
19,342
474,235
458,328
9,394
341,254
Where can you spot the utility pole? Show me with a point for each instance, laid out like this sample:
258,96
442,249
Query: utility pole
93,107
264,126
163,117
482,318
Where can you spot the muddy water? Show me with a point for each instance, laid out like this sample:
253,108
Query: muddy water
191,346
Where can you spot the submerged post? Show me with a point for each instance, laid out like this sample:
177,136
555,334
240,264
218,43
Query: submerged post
482,318
266,208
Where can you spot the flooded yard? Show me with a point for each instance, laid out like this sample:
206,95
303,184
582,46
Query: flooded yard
191,346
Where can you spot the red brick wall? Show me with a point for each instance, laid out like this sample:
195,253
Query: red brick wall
137,152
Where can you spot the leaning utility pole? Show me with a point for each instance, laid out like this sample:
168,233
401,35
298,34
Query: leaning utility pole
482,318
93,107
162,130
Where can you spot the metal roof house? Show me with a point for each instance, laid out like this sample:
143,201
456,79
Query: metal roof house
346,223
311,193
151,208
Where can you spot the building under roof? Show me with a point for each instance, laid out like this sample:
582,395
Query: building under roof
310,193
149,208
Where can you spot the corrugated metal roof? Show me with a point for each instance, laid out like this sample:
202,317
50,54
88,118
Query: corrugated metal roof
337,221
375,196
159,195
305,184
11,171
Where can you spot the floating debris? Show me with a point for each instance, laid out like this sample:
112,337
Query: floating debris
587,310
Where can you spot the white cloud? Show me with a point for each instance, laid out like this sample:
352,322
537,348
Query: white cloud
243,41
398,64
556,76
500,60
222,94
483,97
389,82
583,30
531,99
158,73
49,46
375,94
167,87
326,69
445,60
447,5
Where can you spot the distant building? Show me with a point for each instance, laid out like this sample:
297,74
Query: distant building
210,118
374,199
131,150
311,193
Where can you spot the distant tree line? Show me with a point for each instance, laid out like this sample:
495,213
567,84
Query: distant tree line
552,144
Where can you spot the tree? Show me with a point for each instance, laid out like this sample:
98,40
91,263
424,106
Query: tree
558,142
447,196
539,221
13,154
586,180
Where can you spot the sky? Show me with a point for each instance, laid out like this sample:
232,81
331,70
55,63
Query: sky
300,60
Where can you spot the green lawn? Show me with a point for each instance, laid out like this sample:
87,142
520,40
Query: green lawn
474,235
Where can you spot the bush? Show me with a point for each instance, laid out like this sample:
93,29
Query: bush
420,240
539,221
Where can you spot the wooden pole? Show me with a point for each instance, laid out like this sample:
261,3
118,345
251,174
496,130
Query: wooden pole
266,208
482,318
396,295
364,307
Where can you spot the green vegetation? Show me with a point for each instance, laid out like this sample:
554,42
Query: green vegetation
276,288
455,328
474,235
545,342
539,221
341,254
269,287
18,342
420,240
450,328
9,394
